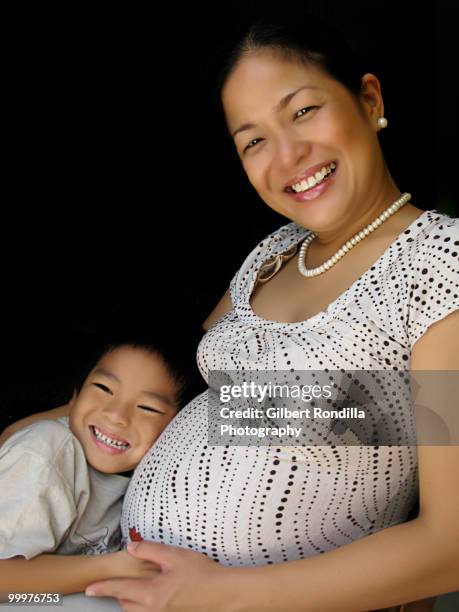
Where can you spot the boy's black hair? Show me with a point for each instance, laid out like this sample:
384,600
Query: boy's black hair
175,361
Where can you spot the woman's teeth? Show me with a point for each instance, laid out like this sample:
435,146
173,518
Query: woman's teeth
108,441
312,181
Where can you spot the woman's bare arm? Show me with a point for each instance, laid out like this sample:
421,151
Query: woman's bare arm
68,573
55,413
223,306
403,563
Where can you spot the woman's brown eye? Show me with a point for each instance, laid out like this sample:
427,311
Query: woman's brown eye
250,145
306,108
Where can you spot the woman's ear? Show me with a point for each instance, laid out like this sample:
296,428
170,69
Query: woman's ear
371,97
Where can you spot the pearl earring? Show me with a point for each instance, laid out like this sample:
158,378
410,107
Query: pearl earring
382,122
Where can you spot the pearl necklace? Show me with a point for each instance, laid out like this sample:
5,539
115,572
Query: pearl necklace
406,197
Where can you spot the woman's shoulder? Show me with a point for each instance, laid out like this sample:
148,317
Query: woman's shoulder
430,267
278,240
443,222
439,238
287,234
271,245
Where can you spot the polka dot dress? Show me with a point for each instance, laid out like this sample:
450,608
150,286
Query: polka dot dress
252,505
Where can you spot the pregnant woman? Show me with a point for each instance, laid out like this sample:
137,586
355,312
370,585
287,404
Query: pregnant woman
358,279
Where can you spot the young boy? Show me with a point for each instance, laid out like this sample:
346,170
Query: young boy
62,482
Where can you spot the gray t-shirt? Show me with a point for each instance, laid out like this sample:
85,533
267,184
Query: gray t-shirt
51,500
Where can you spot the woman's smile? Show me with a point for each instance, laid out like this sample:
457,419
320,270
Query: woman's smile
313,187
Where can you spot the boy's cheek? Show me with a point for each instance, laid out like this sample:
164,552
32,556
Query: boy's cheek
76,422
72,422
79,412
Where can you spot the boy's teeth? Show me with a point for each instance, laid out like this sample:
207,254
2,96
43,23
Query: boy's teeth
312,181
100,436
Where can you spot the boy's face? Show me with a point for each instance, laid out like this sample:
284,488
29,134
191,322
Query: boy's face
125,403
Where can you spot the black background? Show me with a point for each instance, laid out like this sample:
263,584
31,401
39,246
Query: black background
124,202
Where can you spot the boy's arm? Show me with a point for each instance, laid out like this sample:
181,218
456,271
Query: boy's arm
55,413
68,573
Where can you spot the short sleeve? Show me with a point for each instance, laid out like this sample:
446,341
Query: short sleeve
36,504
435,290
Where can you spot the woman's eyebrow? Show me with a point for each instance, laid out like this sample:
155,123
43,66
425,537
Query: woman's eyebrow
280,106
153,394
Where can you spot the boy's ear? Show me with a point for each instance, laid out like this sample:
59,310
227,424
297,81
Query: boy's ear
74,396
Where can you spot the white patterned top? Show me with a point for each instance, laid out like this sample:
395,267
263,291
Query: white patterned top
257,505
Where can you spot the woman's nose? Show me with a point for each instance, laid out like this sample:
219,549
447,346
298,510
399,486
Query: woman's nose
290,149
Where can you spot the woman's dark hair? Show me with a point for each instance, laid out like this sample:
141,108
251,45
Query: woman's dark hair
296,36
158,345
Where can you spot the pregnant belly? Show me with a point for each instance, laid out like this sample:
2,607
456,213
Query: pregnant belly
254,505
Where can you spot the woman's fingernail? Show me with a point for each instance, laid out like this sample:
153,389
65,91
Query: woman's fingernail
89,593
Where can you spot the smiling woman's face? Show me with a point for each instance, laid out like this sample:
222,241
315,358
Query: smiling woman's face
320,129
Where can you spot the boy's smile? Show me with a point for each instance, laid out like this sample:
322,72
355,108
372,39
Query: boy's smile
108,442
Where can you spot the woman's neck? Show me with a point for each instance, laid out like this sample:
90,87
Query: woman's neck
382,194
326,244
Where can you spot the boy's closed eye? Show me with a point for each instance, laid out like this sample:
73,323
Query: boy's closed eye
148,408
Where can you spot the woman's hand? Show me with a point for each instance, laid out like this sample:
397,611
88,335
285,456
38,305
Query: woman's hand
187,581
123,565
